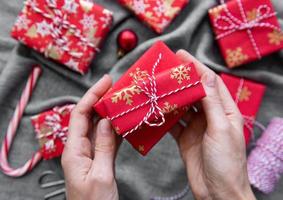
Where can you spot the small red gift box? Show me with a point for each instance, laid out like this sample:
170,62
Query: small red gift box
157,14
248,96
68,31
246,30
151,97
51,129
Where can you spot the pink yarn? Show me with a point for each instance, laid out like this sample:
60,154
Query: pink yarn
265,162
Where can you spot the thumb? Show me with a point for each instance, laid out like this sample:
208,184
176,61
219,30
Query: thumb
212,104
104,145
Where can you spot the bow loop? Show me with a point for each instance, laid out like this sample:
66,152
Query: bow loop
228,23
263,12
221,20
150,90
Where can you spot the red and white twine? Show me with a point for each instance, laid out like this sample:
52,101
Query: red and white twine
57,130
249,121
59,22
150,90
12,128
263,12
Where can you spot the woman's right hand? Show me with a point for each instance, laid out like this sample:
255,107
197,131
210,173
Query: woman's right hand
212,145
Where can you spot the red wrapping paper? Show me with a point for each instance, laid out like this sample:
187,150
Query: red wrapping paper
248,96
51,129
157,14
239,47
68,31
170,74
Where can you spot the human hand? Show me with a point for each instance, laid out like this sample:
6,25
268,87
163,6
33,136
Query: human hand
89,154
212,145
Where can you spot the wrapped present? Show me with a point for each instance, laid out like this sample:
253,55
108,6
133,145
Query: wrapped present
248,96
246,30
68,31
151,97
51,129
157,14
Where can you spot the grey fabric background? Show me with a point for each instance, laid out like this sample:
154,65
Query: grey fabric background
159,173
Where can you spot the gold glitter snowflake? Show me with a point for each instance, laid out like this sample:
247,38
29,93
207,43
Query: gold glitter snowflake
126,95
168,108
235,57
275,37
139,74
180,73
170,9
244,94
251,15
216,11
141,148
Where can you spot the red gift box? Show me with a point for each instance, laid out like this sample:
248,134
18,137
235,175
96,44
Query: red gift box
68,31
51,129
157,14
246,30
248,96
151,97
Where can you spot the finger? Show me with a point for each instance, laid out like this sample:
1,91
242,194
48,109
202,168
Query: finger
83,111
81,115
182,123
231,109
104,146
212,103
185,56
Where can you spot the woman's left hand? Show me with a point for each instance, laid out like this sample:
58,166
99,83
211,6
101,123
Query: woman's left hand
89,155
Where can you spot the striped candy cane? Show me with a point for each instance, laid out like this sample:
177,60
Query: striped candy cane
12,128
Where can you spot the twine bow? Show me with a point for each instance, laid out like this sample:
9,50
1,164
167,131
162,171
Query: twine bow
150,90
235,24
58,23
57,131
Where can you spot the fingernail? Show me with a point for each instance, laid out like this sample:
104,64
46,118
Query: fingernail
104,127
210,79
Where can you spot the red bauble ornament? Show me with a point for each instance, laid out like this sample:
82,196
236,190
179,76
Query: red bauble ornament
127,40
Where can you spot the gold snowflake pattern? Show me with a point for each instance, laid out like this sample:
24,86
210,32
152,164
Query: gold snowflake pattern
170,9
275,37
32,32
235,57
43,130
216,11
54,52
141,148
244,94
180,73
139,74
168,108
251,15
125,95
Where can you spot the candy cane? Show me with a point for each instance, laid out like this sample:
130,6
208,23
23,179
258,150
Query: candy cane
12,128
